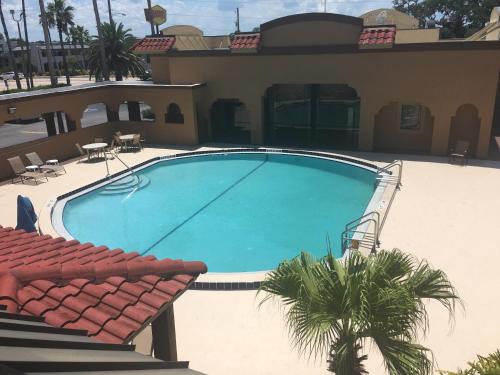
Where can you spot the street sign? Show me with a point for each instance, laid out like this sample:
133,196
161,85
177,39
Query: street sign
157,16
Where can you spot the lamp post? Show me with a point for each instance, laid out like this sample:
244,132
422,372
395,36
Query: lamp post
21,15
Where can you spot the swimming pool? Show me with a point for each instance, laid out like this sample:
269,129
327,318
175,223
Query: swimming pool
237,212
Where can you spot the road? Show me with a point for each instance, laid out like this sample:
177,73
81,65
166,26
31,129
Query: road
12,134
45,80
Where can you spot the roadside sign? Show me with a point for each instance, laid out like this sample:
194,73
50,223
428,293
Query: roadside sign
157,16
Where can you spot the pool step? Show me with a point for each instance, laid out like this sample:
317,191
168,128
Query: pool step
126,185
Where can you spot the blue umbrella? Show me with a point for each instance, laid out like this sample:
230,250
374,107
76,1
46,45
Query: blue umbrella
26,216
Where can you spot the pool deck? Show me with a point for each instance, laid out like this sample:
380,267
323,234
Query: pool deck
444,213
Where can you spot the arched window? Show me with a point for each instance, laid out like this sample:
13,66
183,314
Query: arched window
136,111
174,114
94,114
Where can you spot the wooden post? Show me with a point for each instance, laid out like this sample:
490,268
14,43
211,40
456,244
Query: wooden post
164,342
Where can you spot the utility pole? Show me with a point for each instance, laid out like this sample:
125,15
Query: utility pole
151,18
28,48
237,20
12,13
324,9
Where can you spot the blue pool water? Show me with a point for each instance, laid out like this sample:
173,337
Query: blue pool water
236,212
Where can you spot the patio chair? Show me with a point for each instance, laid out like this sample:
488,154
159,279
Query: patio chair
136,142
35,160
20,171
118,133
118,142
81,151
460,152
98,140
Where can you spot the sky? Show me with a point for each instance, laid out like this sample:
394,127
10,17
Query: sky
214,17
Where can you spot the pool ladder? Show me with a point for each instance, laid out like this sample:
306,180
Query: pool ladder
364,232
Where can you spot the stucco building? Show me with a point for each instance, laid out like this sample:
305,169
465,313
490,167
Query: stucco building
318,80
377,82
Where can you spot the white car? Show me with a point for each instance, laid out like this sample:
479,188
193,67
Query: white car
10,75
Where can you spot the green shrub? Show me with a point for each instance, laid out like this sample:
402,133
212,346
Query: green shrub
489,365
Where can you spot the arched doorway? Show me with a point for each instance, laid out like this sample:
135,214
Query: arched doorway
312,115
230,120
403,127
465,126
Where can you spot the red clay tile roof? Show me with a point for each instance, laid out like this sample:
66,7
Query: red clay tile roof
154,44
109,293
245,41
377,37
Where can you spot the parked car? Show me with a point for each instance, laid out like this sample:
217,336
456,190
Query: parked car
10,75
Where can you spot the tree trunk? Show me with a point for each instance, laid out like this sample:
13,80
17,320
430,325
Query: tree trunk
28,48
9,46
48,47
104,62
118,76
109,11
63,52
84,60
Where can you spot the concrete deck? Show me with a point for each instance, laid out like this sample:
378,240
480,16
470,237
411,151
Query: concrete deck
445,213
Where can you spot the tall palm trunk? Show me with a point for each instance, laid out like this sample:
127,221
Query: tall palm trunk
84,60
110,13
9,46
48,46
63,52
28,48
104,61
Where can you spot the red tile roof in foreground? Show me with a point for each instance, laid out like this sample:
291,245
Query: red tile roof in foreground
377,37
154,44
245,41
109,293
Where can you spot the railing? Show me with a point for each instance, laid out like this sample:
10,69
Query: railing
386,174
121,161
364,232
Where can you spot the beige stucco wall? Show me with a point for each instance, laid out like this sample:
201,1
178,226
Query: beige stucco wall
417,36
74,103
441,80
311,33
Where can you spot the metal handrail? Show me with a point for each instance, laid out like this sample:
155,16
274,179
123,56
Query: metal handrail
374,216
350,229
362,217
387,169
121,161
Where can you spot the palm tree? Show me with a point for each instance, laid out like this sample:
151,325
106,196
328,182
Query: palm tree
80,35
48,44
336,307
117,42
102,49
12,61
61,16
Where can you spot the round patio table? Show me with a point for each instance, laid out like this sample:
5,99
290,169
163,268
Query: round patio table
94,147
